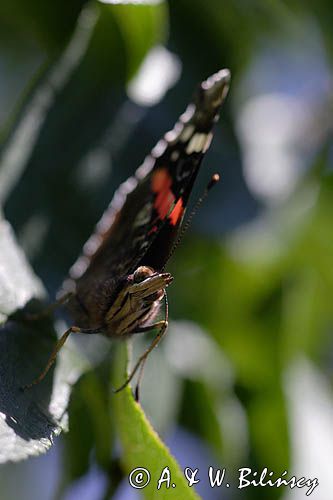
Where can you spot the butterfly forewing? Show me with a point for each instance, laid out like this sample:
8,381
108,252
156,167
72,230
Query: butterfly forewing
117,286
142,221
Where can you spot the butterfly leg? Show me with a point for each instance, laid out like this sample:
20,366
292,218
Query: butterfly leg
162,328
58,346
48,310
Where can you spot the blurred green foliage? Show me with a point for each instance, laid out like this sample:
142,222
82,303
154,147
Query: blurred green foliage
253,280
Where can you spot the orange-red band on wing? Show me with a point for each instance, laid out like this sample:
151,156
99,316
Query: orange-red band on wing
161,184
177,212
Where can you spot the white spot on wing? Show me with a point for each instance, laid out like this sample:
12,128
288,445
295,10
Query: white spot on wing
173,135
186,133
143,217
128,186
188,113
79,267
196,144
159,149
145,168
92,244
208,142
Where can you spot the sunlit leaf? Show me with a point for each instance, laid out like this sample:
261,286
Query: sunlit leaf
29,419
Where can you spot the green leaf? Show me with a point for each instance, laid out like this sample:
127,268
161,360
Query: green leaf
17,282
141,26
49,23
29,419
89,423
141,445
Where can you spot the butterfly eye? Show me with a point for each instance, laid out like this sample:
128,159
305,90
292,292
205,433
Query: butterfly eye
142,273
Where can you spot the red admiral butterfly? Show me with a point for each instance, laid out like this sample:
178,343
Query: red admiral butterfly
118,285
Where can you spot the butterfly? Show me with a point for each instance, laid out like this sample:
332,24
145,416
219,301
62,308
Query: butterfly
118,285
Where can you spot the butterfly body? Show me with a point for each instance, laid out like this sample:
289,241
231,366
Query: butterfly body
142,222
117,285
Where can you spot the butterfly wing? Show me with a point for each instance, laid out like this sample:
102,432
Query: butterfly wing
142,221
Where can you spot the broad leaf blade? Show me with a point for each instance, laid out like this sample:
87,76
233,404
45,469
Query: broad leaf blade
17,282
29,419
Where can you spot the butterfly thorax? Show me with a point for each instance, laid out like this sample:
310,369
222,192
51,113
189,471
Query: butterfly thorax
111,282
137,301
113,287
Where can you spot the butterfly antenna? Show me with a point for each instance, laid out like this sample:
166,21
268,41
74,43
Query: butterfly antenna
213,181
